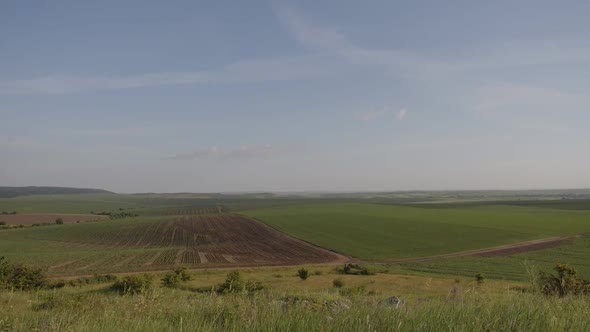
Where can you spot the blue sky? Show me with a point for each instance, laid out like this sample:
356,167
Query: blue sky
218,96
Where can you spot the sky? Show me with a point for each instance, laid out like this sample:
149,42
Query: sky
285,96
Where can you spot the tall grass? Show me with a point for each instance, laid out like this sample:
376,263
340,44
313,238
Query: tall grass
272,310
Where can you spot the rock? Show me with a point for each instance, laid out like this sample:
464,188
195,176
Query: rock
393,301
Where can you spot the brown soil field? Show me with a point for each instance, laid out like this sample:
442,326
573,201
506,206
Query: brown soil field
196,241
39,218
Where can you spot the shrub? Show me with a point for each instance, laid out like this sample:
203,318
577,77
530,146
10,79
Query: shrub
480,278
2,223
354,269
234,283
564,283
59,221
174,278
20,277
133,284
337,283
252,286
303,274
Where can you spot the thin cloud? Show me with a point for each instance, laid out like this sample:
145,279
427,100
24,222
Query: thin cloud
329,40
385,112
243,152
261,70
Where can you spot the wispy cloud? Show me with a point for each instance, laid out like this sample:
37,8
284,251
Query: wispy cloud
261,70
381,113
329,40
243,152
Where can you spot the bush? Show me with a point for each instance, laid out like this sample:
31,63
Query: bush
59,221
20,277
354,269
564,283
234,283
303,274
133,284
480,278
337,283
174,278
2,223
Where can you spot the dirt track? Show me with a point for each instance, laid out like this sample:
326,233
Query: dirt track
505,250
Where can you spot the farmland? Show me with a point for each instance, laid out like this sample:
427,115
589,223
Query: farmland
205,231
263,238
155,243
381,232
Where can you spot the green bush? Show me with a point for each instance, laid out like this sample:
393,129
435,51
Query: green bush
303,274
354,269
59,221
174,278
20,277
480,278
133,284
2,223
566,282
235,283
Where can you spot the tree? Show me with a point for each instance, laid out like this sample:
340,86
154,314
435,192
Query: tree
59,221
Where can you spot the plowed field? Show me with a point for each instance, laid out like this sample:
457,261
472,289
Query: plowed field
200,240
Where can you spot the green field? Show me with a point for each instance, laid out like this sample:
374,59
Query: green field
512,267
369,229
437,294
378,231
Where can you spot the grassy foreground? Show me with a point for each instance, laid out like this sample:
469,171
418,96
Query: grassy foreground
97,309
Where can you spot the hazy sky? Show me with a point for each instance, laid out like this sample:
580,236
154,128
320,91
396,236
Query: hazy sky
203,96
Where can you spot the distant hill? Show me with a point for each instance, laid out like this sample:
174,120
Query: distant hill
7,192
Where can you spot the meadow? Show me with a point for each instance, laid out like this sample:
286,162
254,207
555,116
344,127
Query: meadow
363,303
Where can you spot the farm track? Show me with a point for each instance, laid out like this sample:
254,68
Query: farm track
504,250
